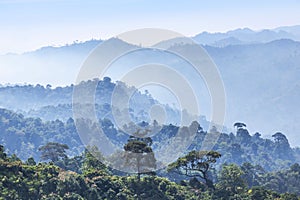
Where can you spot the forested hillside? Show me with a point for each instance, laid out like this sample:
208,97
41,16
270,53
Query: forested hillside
96,104
23,136
244,165
260,78
85,177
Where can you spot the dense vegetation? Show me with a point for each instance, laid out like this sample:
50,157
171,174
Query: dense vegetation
42,156
23,136
51,104
55,103
73,173
29,180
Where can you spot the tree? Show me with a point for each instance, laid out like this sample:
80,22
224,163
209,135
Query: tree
284,180
279,137
196,164
239,125
259,193
93,161
139,155
282,147
242,134
288,196
14,158
53,151
2,153
31,161
257,135
230,180
252,174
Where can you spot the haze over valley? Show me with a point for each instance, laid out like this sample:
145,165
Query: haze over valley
260,71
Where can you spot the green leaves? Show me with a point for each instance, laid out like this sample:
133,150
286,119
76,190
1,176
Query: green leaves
93,162
48,181
196,164
231,181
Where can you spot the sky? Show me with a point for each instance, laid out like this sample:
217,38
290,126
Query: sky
26,25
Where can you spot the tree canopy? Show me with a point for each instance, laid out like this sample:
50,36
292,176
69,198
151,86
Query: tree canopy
53,151
196,164
139,155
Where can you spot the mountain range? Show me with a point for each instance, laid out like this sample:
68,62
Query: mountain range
260,71
247,36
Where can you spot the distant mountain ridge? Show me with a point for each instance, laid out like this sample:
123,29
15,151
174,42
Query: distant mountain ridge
247,36
217,39
261,78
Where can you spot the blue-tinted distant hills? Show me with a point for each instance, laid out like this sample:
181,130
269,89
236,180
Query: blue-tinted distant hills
76,47
247,36
260,70
290,29
262,84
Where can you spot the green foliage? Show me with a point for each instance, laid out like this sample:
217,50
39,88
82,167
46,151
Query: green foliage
30,161
93,162
231,181
47,181
196,164
284,180
22,136
252,174
19,181
30,180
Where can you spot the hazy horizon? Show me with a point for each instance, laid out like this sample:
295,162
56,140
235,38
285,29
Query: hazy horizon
108,37
29,24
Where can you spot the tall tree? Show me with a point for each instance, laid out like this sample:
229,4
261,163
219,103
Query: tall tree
239,125
53,151
282,148
196,164
139,156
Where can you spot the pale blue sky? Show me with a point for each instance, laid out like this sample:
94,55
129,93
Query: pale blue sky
30,24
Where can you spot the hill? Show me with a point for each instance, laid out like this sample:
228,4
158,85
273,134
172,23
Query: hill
261,79
247,36
23,136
